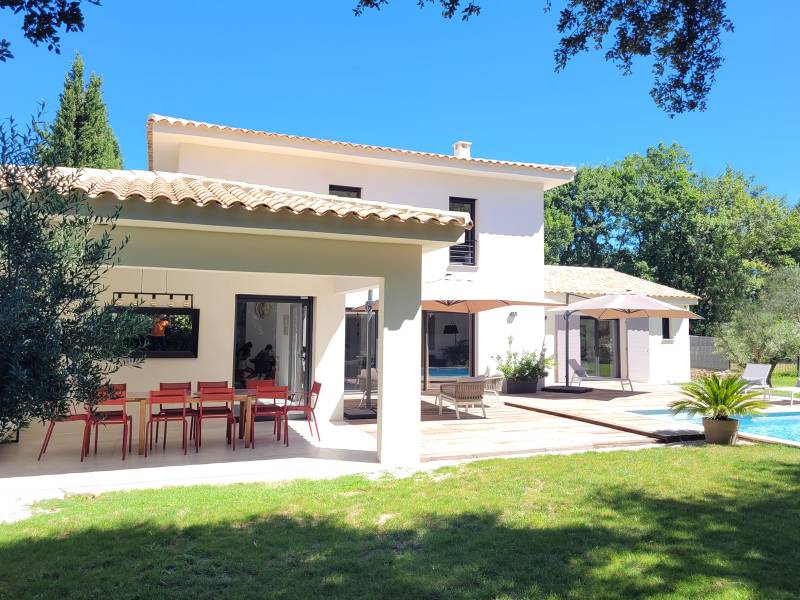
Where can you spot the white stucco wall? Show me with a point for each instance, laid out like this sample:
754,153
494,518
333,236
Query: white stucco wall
509,212
509,224
215,297
216,265
670,359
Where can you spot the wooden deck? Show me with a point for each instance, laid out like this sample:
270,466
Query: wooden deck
619,420
611,407
507,430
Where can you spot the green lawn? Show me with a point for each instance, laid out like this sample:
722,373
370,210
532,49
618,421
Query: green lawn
700,522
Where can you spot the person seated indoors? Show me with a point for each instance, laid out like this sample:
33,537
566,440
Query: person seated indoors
264,364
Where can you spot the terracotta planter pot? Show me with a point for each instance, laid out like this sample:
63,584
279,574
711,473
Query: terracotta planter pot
518,386
721,431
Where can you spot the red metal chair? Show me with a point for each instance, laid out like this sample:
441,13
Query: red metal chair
113,417
262,407
307,408
87,429
252,384
216,395
179,414
186,386
203,385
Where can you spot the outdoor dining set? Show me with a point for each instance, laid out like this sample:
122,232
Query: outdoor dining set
176,402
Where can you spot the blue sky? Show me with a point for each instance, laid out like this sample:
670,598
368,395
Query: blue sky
407,78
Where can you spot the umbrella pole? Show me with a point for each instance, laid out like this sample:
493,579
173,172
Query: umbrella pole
425,358
369,349
567,315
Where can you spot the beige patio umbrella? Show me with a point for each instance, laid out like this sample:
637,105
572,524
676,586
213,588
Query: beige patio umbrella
467,296
470,296
619,306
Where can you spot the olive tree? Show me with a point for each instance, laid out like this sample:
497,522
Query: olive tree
766,330
58,343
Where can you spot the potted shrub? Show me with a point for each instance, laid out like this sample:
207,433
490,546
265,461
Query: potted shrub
522,370
718,400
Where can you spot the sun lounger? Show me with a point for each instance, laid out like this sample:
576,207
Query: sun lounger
579,373
757,375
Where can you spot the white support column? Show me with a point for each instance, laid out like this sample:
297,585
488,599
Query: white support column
329,355
399,356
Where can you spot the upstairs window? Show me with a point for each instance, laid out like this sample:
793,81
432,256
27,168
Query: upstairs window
345,191
464,253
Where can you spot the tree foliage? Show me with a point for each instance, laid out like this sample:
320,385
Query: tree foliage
765,330
655,217
81,135
58,343
43,20
681,36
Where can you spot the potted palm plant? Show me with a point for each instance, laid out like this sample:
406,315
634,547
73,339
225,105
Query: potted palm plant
522,370
718,400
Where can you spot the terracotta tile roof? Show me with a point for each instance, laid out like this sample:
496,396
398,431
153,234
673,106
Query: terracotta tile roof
597,281
175,188
189,124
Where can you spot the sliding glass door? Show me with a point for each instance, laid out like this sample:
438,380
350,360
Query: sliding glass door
600,346
449,341
273,341
360,346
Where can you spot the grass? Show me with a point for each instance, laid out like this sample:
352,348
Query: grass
699,522
784,375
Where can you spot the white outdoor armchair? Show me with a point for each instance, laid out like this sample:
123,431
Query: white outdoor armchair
464,394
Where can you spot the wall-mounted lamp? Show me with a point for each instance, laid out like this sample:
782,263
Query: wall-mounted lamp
511,316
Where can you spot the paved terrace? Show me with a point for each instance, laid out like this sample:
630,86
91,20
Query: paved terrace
511,428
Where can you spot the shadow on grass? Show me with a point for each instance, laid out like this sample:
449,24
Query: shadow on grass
627,544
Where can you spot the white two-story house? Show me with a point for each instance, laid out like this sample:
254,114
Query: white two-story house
262,248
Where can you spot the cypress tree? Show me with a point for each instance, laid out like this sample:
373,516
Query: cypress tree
81,135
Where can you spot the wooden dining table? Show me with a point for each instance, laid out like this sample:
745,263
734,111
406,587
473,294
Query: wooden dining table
245,398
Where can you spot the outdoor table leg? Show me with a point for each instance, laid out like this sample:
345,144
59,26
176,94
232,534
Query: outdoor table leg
248,417
142,424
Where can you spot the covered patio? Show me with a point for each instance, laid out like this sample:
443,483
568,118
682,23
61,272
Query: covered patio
207,245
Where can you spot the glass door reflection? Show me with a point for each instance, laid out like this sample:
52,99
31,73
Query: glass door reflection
272,341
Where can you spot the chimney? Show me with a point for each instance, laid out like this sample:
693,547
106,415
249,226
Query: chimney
461,149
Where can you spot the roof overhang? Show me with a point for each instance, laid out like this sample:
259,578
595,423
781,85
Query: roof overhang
165,135
172,200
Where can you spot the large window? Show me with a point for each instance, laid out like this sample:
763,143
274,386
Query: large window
464,253
345,191
449,339
600,346
273,341
171,332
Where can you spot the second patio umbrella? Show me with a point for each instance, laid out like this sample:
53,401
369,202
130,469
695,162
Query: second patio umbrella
619,306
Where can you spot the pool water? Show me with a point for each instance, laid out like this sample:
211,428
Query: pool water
448,371
782,425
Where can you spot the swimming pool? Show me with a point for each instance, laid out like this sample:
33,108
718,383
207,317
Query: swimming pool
782,425
448,371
